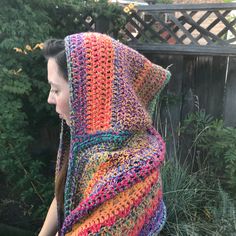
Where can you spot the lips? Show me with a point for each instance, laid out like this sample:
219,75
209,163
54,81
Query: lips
60,116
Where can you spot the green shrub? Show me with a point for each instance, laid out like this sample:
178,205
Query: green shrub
6,230
214,147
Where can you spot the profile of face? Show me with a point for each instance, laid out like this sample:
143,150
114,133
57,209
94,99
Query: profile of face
59,93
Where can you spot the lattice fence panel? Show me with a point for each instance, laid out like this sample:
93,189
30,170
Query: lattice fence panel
197,25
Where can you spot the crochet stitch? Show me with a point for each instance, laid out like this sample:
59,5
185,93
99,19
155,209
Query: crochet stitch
113,184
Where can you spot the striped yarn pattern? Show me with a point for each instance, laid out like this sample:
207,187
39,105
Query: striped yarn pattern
113,184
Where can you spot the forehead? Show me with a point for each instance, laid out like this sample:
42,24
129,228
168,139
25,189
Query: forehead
52,67
54,77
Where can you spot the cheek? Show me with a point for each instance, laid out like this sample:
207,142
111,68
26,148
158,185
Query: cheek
64,105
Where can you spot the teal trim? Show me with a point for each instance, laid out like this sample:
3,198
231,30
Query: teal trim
152,105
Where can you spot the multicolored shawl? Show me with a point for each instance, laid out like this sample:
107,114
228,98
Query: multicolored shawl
113,184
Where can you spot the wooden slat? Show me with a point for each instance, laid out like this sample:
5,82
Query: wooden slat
191,29
87,25
230,98
185,49
181,27
148,27
232,40
145,25
214,23
226,23
216,95
134,40
136,26
187,7
170,114
224,31
188,73
202,30
181,19
167,28
209,84
196,26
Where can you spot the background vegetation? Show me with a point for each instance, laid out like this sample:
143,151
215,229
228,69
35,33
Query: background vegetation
197,203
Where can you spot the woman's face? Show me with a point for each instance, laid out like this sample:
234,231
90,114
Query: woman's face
59,93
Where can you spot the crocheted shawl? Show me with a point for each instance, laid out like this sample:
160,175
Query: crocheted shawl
113,184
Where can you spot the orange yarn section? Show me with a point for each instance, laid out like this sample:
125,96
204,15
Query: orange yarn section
140,80
100,74
115,208
150,77
147,214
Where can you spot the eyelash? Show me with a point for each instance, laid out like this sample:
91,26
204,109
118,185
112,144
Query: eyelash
54,91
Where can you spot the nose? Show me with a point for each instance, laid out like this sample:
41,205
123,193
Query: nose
51,99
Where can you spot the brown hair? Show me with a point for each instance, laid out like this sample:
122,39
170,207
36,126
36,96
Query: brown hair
55,48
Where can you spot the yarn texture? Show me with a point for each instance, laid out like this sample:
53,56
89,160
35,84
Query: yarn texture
113,184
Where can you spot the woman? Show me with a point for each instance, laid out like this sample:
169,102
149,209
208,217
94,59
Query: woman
108,166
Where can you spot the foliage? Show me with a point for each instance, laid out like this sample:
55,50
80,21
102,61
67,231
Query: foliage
89,15
12,231
24,184
214,145
194,206
110,15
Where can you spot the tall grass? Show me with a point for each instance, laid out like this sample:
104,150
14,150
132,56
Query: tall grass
195,207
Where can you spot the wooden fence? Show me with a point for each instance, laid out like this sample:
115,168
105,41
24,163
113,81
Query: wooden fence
206,83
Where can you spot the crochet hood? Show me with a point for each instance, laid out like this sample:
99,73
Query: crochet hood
112,144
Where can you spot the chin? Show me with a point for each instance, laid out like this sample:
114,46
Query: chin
67,122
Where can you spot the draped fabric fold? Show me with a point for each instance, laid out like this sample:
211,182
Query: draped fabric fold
113,184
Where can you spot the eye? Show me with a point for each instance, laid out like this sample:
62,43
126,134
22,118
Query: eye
53,91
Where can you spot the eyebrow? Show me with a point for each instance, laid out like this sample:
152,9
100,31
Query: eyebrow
51,83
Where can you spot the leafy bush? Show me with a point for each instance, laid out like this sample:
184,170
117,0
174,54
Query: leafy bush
214,146
24,184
